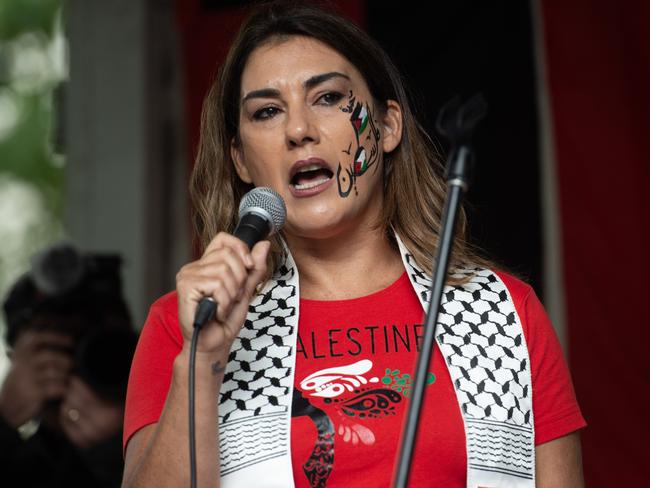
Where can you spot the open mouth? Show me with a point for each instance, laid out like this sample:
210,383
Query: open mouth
311,176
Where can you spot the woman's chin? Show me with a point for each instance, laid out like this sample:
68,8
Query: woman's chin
316,228
326,217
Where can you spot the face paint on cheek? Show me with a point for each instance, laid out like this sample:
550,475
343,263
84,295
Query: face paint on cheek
345,183
366,155
359,120
360,162
350,106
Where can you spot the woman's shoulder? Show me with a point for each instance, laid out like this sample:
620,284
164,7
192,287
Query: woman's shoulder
168,303
517,288
164,313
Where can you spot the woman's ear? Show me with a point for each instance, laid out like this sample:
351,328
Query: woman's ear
238,158
392,126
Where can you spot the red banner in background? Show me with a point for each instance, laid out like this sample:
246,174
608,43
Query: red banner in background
598,64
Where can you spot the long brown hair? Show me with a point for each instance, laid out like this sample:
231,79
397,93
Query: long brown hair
216,188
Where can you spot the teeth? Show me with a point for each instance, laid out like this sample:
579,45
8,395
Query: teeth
311,167
311,184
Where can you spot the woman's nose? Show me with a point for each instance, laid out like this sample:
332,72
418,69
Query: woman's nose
301,127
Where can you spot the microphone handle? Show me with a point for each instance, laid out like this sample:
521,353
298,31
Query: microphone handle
252,228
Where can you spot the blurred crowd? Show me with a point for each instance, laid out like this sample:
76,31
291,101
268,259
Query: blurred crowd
70,340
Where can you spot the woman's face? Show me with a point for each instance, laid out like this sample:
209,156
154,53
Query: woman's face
310,130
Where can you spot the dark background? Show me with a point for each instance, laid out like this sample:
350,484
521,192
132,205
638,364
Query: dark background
462,48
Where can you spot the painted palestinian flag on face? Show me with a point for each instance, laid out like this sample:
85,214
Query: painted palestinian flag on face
359,119
360,162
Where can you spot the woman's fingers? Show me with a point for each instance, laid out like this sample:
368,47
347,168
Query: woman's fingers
221,277
230,269
225,272
256,275
223,239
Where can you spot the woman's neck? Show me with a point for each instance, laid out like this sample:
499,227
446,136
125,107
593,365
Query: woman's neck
351,265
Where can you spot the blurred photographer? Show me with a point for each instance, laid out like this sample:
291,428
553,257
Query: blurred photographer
71,343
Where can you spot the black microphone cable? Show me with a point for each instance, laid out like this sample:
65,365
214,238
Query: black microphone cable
205,311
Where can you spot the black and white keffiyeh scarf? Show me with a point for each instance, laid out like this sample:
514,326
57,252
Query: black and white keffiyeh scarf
479,333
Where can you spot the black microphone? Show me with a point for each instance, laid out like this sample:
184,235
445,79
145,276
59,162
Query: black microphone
261,214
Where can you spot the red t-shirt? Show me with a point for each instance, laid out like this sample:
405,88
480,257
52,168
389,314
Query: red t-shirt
354,361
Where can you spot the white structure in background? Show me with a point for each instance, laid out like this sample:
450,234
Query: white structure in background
124,138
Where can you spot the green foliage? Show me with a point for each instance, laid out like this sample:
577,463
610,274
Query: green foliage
27,153
25,149
18,16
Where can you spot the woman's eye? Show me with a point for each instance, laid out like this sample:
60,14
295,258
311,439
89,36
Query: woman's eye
265,113
330,98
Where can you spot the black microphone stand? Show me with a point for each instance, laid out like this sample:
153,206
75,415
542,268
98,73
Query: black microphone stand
457,123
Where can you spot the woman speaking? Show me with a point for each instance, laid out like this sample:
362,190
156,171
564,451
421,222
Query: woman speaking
303,377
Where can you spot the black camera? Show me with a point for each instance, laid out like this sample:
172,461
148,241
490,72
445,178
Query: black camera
79,295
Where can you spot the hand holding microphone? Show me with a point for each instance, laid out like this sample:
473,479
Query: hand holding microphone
229,270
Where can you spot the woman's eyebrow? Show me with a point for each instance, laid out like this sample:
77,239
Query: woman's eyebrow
318,79
263,93
308,84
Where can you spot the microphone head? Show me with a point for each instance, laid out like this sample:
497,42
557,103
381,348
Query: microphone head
266,203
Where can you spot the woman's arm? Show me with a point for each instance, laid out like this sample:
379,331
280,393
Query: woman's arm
559,463
158,454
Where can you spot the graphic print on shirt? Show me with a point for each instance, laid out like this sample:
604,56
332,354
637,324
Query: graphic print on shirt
319,465
331,382
354,399
402,383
